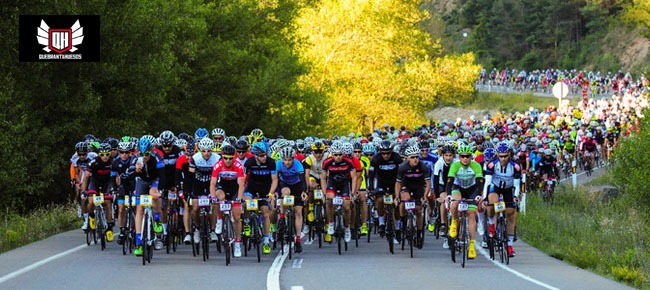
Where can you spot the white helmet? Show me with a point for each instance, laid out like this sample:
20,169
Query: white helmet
218,131
287,152
411,150
206,144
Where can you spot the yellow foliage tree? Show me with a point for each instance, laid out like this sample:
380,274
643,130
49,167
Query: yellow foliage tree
375,64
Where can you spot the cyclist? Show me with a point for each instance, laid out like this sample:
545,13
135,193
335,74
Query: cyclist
313,165
588,147
339,176
503,177
98,181
465,180
242,147
148,171
218,135
80,161
185,182
291,177
440,171
548,165
383,168
171,153
118,173
262,179
413,183
201,165
361,167
227,183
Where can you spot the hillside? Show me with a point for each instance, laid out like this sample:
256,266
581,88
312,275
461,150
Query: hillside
595,35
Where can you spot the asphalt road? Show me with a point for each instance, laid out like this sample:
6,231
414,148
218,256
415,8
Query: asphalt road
65,262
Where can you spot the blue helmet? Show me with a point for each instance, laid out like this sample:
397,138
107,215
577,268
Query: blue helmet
490,154
144,145
259,148
503,147
201,133
368,149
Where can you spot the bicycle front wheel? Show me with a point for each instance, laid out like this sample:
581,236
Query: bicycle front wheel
464,239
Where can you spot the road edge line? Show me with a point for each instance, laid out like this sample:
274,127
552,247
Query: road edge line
516,273
33,266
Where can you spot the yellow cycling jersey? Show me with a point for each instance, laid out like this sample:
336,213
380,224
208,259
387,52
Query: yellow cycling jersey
365,164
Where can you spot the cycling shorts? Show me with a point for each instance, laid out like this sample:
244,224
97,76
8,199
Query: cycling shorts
295,190
338,188
508,195
416,194
469,194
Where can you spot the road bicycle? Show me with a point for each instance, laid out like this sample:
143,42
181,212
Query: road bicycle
339,224
254,222
459,245
317,227
129,225
410,232
100,218
205,212
174,228
499,242
148,235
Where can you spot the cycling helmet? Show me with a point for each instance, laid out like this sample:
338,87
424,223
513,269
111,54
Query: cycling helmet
218,145
104,148
503,147
180,143
356,145
348,148
287,152
448,148
385,145
317,145
411,150
257,134
201,133
231,140
228,150
184,136
281,143
167,138
465,149
490,154
424,144
156,142
89,138
259,148
368,149
218,131
337,147
523,148
81,147
589,135
206,144
190,147
125,139
93,146
300,145
241,145
112,142
548,152
124,146
145,145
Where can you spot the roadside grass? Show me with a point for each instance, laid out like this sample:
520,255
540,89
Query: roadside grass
510,103
44,222
608,238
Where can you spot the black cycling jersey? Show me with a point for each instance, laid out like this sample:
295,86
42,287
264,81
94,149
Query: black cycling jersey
118,168
384,170
413,177
259,175
169,160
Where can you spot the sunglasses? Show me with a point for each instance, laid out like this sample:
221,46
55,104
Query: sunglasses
228,157
81,154
424,150
386,153
337,154
261,155
124,152
318,151
413,157
167,146
503,156
104,154
114,149
369,154
465,156
206,151
359,151
145,153
241,152
217,138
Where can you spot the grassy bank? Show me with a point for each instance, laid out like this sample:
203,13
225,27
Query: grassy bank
608,238
21,230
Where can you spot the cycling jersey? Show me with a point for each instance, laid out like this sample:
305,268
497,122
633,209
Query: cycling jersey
290,176
464,176
589,145
338,177
202,173
503,176
440,171
227,177
385,171
315,167
169,159
259,176
365,165
184,178
118,168
547,165
413,178
100,179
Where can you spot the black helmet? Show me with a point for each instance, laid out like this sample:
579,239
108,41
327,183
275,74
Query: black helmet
81,147
112,142
104,148
228,150
386,145
241,145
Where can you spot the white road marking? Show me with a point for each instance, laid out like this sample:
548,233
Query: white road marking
14,274
297,263
297,288
273,276
518,274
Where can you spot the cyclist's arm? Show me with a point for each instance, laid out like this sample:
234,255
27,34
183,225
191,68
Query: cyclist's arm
242,186
274,182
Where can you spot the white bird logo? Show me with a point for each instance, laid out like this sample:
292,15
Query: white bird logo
60,40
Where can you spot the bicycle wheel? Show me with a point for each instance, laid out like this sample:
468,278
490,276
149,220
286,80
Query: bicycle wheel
169,238
176,231
205,243
256,236
499,238
226,232
318,221
410,233
100,229
437,220
464,239
504,235
357,224
145,239
403,229
280,234
371,220
151,235
290,228
339,231
390,231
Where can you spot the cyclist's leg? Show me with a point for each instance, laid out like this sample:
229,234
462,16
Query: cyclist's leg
236,214
363,199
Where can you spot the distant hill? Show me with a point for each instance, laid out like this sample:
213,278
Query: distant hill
542,33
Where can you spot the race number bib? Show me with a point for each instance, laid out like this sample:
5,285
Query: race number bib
288,200
204,201
318,194
337,200
251,204
145,200
388,199
500,206
127,200
98,199
463,206
171,195
225,206
409,205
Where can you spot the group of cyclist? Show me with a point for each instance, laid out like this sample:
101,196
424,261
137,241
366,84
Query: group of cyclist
471,161
580,82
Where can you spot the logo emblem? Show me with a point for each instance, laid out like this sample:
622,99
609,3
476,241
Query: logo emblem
60,40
